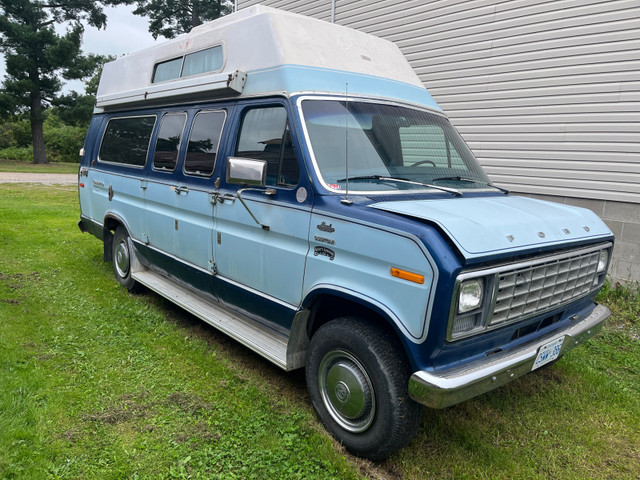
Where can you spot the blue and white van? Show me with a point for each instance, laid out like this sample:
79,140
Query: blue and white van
292,183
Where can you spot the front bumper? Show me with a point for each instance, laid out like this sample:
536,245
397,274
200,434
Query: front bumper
443,388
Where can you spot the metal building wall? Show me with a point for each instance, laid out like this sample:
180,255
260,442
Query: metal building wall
546,92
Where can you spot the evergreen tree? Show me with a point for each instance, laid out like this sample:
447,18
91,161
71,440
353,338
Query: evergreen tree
37,57
173,17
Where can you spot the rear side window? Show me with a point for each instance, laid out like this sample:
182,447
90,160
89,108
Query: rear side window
126,141
168,144
203,143
265,135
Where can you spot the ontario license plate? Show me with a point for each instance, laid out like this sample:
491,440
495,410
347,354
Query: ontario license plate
548,353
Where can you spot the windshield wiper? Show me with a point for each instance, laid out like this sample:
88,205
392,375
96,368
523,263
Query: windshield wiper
465,179
452,191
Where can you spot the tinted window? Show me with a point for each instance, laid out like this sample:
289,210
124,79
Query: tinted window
126,140
203,143
265,135
168,144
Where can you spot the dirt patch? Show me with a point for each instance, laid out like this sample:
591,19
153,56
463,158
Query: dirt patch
188,402
129,409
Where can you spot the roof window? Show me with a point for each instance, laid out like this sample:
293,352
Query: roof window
204,61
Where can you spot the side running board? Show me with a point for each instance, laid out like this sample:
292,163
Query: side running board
262,340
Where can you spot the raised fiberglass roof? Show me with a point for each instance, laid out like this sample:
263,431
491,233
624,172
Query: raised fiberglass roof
258,51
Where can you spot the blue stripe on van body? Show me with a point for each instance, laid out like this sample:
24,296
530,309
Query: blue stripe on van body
258,307
298,78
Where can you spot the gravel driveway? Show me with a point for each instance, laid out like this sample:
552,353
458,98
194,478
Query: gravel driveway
44,178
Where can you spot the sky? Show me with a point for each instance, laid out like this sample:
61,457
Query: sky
125,33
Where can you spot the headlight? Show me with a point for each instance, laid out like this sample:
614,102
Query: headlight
603,260
470,296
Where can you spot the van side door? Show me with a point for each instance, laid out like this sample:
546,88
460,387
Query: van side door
261,268
180,211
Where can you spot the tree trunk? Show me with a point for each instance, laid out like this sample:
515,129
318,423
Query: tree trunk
195,18
37,134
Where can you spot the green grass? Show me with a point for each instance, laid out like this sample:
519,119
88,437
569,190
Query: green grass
29,167
98,383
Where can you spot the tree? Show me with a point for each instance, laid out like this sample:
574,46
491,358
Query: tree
173,17
75,108
36,56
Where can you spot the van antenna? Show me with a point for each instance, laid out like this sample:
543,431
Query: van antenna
346,200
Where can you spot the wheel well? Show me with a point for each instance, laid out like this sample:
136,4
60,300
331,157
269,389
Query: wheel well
326,307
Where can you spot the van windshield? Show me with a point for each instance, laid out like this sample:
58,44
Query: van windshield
389,148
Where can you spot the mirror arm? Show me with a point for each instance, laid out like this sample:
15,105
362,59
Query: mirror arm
268,191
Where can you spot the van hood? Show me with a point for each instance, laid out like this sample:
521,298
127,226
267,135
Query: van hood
493,225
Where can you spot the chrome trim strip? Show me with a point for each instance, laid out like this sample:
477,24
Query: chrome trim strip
440,389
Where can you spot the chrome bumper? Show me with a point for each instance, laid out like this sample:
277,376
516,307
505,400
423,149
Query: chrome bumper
444,388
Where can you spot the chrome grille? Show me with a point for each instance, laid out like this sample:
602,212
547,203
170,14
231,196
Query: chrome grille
528,290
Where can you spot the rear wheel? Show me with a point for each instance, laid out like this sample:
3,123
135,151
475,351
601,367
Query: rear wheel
121,257
358,381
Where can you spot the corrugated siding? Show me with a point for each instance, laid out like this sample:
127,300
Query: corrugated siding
313,8
546,93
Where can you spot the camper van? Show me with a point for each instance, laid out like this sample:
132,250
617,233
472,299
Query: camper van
292,183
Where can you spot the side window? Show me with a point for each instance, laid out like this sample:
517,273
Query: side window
126,140
265,135
165,156
203,143
209,60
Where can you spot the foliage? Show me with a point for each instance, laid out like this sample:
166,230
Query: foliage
76,109
22,154
63,141
15,132
37,56
173,17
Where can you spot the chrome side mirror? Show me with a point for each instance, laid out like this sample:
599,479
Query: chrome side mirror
246,171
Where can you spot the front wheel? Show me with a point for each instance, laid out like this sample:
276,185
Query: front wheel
358,381
121,257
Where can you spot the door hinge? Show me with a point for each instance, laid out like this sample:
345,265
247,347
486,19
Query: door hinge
213,267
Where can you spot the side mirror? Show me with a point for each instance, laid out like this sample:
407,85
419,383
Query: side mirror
246,171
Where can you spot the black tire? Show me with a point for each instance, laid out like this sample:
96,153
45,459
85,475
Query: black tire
358,381
121,259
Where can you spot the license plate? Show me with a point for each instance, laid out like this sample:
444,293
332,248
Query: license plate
548,353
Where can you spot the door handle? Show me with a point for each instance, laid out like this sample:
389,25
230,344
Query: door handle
226,197
180,190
